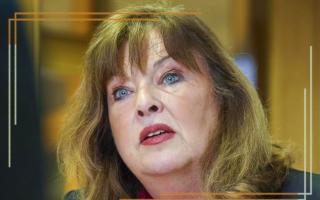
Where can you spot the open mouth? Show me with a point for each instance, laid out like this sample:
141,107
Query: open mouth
156,134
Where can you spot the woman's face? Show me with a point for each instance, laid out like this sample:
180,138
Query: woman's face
161,119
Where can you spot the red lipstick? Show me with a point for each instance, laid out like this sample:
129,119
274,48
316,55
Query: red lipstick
155,134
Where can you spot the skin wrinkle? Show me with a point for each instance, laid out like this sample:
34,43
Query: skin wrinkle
238,138
177,158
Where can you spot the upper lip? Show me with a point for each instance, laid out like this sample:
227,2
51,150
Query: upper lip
153,128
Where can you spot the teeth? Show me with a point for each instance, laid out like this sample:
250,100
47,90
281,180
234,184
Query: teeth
158,132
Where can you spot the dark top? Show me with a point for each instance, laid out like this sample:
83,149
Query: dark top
294,183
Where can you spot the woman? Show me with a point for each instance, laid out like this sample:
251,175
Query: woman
162,112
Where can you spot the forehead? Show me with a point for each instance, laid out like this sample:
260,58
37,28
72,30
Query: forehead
141,51
152,48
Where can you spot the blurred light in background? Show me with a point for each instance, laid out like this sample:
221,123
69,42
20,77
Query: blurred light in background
275,61
247,65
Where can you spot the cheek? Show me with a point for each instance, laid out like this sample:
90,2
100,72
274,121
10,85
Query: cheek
120,121
193,107
196,114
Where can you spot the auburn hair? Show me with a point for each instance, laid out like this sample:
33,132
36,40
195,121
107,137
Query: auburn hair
241,158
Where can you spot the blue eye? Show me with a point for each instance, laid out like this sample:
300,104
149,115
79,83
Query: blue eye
120,93
171,78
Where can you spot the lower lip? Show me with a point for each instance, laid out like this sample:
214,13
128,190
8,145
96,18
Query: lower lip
158,139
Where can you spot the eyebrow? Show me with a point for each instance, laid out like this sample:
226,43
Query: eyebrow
160,61
155,65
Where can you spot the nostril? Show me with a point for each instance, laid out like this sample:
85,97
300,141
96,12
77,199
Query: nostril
140,113
153,108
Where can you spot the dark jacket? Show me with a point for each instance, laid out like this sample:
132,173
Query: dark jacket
294,183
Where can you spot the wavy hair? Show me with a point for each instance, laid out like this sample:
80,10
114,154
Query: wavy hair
241,158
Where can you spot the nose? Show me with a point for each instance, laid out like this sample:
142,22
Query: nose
148,102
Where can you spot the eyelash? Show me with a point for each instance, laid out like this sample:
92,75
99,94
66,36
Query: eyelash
116,90
178,77
117,96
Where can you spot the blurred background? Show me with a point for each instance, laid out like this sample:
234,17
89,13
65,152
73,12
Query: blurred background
268,39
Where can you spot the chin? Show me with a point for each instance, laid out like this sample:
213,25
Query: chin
164,164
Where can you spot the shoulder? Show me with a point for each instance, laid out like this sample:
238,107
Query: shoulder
72,195
302,182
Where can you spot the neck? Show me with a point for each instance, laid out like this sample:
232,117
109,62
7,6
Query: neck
173,185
